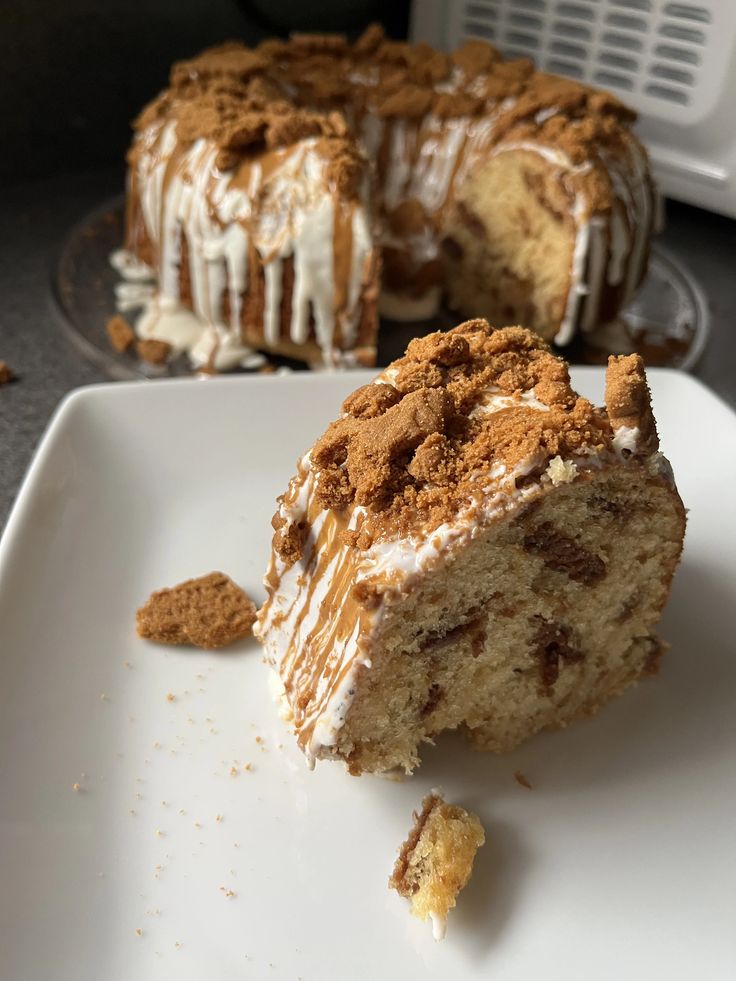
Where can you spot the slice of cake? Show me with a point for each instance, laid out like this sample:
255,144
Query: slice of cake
470,545
436,860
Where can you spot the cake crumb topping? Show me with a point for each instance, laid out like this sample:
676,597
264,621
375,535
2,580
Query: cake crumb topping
412,446
208,612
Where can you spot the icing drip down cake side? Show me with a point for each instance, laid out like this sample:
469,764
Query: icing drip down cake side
266,186
469,545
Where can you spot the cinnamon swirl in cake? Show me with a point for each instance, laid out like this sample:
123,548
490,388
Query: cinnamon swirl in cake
470,545
265,184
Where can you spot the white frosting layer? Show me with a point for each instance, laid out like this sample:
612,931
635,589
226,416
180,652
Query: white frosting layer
439,926
288,212
625,440
165,319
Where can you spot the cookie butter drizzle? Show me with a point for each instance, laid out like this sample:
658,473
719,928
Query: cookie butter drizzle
280,206
319,652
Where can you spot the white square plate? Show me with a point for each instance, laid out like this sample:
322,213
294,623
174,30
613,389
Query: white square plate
620,863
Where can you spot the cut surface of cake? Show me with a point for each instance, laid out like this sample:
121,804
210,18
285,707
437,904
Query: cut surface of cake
436,860
470,545
505,192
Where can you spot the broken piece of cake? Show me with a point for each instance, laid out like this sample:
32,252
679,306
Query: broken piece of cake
436,860
208,612
471,545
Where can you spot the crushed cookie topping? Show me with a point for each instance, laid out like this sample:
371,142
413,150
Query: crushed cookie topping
410,449
247,100
628,400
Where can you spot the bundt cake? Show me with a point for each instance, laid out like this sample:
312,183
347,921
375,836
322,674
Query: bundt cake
469,545
264,183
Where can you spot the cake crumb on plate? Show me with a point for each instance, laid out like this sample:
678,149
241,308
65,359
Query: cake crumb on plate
436,860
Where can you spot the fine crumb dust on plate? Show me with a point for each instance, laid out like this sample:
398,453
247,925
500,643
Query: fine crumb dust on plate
157,817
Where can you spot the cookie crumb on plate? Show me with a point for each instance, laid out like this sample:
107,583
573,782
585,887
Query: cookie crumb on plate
209,612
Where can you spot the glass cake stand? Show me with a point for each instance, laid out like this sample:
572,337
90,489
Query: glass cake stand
667,322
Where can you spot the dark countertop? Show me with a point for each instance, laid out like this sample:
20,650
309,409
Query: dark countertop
36,217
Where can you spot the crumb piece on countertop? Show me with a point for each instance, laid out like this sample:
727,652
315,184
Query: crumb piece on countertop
139,931
234,771
170,697
76,787
209,612
159,833
153,352
522,780
436,860
120,334
229,893
6,375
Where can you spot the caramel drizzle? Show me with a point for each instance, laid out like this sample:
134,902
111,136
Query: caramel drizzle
326,625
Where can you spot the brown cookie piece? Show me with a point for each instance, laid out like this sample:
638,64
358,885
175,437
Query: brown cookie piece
120,334
208,612
628,402
153,352
6,375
